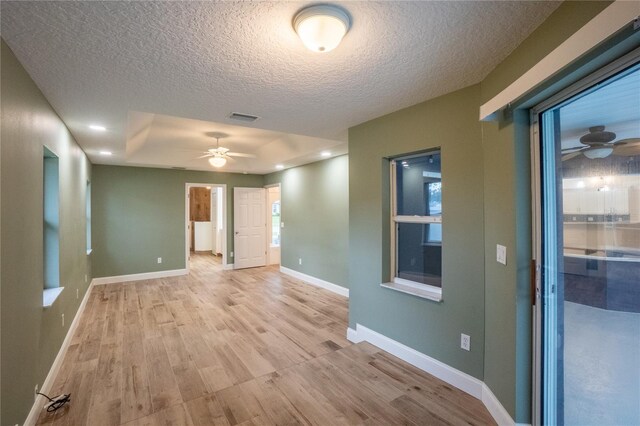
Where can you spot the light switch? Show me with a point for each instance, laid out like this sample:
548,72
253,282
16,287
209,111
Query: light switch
501,254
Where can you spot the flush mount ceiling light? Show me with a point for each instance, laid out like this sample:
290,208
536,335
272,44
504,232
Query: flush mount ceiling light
321,27
217,161
106,153
97,127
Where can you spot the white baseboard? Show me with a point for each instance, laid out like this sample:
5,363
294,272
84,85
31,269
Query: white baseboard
342,291
138,277
497,411
227,266
461,380
37,406
352,336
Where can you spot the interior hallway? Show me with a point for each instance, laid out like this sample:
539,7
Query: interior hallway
238,347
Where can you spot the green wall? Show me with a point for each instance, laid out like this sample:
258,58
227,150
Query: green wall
315,210
32,335
451,123
494,298
139,215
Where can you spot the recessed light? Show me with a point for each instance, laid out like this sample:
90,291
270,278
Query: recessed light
97,128
326,153
279,166
106,153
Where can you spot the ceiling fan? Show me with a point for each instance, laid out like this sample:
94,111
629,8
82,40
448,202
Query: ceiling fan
219,155
598,144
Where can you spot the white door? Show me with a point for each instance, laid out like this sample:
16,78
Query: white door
250,228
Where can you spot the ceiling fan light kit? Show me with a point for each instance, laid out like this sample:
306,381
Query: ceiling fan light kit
217,161
322,27
598,152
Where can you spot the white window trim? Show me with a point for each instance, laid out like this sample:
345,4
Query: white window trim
425,291
402,285
49,295
417,219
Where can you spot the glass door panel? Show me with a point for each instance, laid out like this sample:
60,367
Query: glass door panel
590,255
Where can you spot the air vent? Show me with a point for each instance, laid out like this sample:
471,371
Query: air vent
243,117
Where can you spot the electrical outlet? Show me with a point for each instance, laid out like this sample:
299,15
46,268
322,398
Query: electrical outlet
231,255
77,293
159,260
465,342
299,261
281,224
63,320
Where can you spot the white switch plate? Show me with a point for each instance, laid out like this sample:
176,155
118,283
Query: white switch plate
501,254
159,260
465,342
299,261
281,224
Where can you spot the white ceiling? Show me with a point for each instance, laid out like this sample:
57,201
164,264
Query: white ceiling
163,141
98,62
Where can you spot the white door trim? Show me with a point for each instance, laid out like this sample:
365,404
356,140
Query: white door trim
268,224
223,187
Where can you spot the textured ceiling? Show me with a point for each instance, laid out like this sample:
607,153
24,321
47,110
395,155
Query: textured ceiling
97,61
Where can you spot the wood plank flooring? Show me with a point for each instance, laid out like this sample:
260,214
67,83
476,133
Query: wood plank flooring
250,347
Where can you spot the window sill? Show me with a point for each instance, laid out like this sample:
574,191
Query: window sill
89,252
425,293
49,295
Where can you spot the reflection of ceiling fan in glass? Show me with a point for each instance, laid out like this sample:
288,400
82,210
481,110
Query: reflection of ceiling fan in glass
598,144
219,155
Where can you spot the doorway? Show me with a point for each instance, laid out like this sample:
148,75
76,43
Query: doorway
205,225
586,151
274,224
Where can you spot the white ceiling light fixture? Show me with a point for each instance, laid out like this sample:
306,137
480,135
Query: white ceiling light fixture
279,166
97,128
217,161
106,153
326,153
598,152
322,27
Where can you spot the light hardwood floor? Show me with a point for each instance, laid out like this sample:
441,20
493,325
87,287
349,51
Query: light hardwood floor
247,347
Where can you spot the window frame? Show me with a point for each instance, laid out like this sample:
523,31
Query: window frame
423,290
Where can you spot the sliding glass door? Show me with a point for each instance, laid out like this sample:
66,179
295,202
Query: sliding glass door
588,221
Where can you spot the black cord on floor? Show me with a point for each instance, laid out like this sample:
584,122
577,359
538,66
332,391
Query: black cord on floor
57,402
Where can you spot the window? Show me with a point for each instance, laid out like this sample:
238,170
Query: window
416,194
275,223
88,216
51,227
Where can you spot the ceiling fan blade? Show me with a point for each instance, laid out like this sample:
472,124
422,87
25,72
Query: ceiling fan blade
571,155
627,147
204,156
239,154
573,149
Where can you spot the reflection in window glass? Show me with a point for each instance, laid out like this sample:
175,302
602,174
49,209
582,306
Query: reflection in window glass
591,314
418,210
